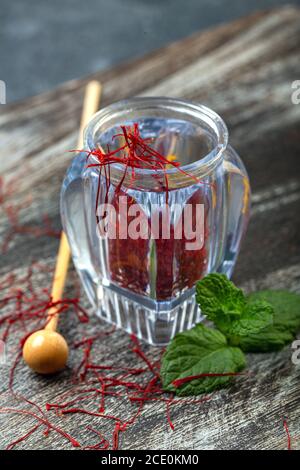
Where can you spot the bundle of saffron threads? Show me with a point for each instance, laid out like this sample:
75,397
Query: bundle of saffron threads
136,152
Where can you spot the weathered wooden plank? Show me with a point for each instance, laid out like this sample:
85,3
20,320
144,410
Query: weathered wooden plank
244,71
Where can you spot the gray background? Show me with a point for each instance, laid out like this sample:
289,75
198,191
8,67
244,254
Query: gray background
43,43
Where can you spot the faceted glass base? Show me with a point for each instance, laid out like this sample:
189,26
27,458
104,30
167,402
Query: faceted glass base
154,327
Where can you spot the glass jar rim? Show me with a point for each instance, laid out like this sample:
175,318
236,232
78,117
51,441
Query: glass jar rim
198,111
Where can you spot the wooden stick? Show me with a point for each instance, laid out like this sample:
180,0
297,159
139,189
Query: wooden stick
90,106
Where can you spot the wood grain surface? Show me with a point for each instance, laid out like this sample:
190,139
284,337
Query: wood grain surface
244,71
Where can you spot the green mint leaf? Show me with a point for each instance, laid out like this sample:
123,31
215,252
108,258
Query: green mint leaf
227,306
257,314
286,321
200,350
269,339
286,307
217,296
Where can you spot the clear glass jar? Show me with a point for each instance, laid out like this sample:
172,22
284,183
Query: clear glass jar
146,285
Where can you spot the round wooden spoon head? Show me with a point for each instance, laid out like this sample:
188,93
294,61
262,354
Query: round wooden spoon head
45,352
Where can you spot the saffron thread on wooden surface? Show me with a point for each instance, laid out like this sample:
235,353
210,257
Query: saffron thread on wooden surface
103,444
288,436
12,213
41,420
23,438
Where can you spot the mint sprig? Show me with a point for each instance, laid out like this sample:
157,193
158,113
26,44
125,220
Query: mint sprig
203,359
219,298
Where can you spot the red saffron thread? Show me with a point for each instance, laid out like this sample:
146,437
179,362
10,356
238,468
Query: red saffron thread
12,212
116,436
103,444
16,228
169,402
289,441
47,423
179,382
23,438
137,350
